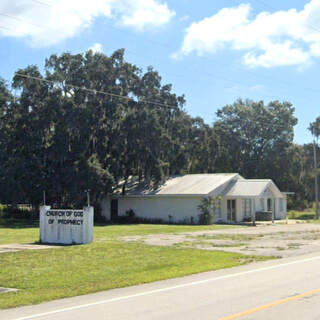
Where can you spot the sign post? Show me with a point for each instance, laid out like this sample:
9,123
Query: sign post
66,226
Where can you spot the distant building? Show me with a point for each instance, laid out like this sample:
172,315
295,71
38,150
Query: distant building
177,198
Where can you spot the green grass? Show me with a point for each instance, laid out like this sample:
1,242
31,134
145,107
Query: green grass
233,237
19,232
43,275
308,215
70,271
301,215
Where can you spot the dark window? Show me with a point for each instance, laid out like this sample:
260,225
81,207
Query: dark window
114,209
269,204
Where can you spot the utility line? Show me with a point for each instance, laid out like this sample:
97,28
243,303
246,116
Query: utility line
2,27
267,5
97,91
41,2
288,84
19,19
208,74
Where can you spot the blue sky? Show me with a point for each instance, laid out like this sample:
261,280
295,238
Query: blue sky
212,51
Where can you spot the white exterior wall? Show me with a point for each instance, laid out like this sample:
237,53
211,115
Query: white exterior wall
239,212
224,210
181,209
255,206
282,214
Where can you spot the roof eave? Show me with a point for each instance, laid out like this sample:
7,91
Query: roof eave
119,196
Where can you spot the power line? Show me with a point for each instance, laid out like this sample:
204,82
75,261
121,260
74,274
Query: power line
207,58
97,91
208,74
267,5
19,19
41,2
2,27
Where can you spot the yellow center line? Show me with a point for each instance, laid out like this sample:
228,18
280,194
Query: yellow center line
270,305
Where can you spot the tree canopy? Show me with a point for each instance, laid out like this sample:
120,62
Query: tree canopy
90,120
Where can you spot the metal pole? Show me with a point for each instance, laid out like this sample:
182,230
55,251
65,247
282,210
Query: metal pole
44,197
253,212
316,178
88,197
273,208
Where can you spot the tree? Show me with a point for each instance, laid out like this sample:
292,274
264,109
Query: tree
315,131
91,120
65,139
6,105
253,138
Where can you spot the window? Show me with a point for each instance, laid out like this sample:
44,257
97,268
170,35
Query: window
246,207
217,209
269,204
280,205
262,204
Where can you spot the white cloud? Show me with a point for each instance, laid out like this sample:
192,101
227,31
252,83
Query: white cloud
282,38
96,48
46,25
142,13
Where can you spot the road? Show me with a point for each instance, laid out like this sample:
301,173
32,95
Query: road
279,289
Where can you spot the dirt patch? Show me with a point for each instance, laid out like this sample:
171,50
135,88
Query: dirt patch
270,240
14,247
4,290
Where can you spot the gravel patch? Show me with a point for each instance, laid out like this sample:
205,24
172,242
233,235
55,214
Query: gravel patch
284,240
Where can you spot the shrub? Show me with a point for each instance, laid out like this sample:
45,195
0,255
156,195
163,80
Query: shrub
130,213
207,209
25,213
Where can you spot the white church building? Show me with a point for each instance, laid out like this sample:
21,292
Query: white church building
177,198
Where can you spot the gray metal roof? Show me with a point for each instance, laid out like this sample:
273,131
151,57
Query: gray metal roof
252,188
189,184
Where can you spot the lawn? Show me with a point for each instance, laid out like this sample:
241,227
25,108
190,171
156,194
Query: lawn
309,215
18,232
106,263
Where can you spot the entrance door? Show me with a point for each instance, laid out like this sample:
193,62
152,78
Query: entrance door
114,210
231,205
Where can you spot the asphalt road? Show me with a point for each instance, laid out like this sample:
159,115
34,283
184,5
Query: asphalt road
280,289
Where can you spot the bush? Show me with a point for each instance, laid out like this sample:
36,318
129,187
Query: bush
19,213
207,209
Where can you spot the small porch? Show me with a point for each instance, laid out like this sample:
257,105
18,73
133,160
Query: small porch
251,208
251,200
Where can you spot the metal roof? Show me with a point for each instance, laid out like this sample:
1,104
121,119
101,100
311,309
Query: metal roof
252,188
189,184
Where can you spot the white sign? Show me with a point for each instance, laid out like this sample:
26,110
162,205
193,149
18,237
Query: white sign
66,226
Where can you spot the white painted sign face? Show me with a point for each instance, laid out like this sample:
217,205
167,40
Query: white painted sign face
66,226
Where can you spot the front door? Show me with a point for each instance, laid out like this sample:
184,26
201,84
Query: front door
231,205
114,210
